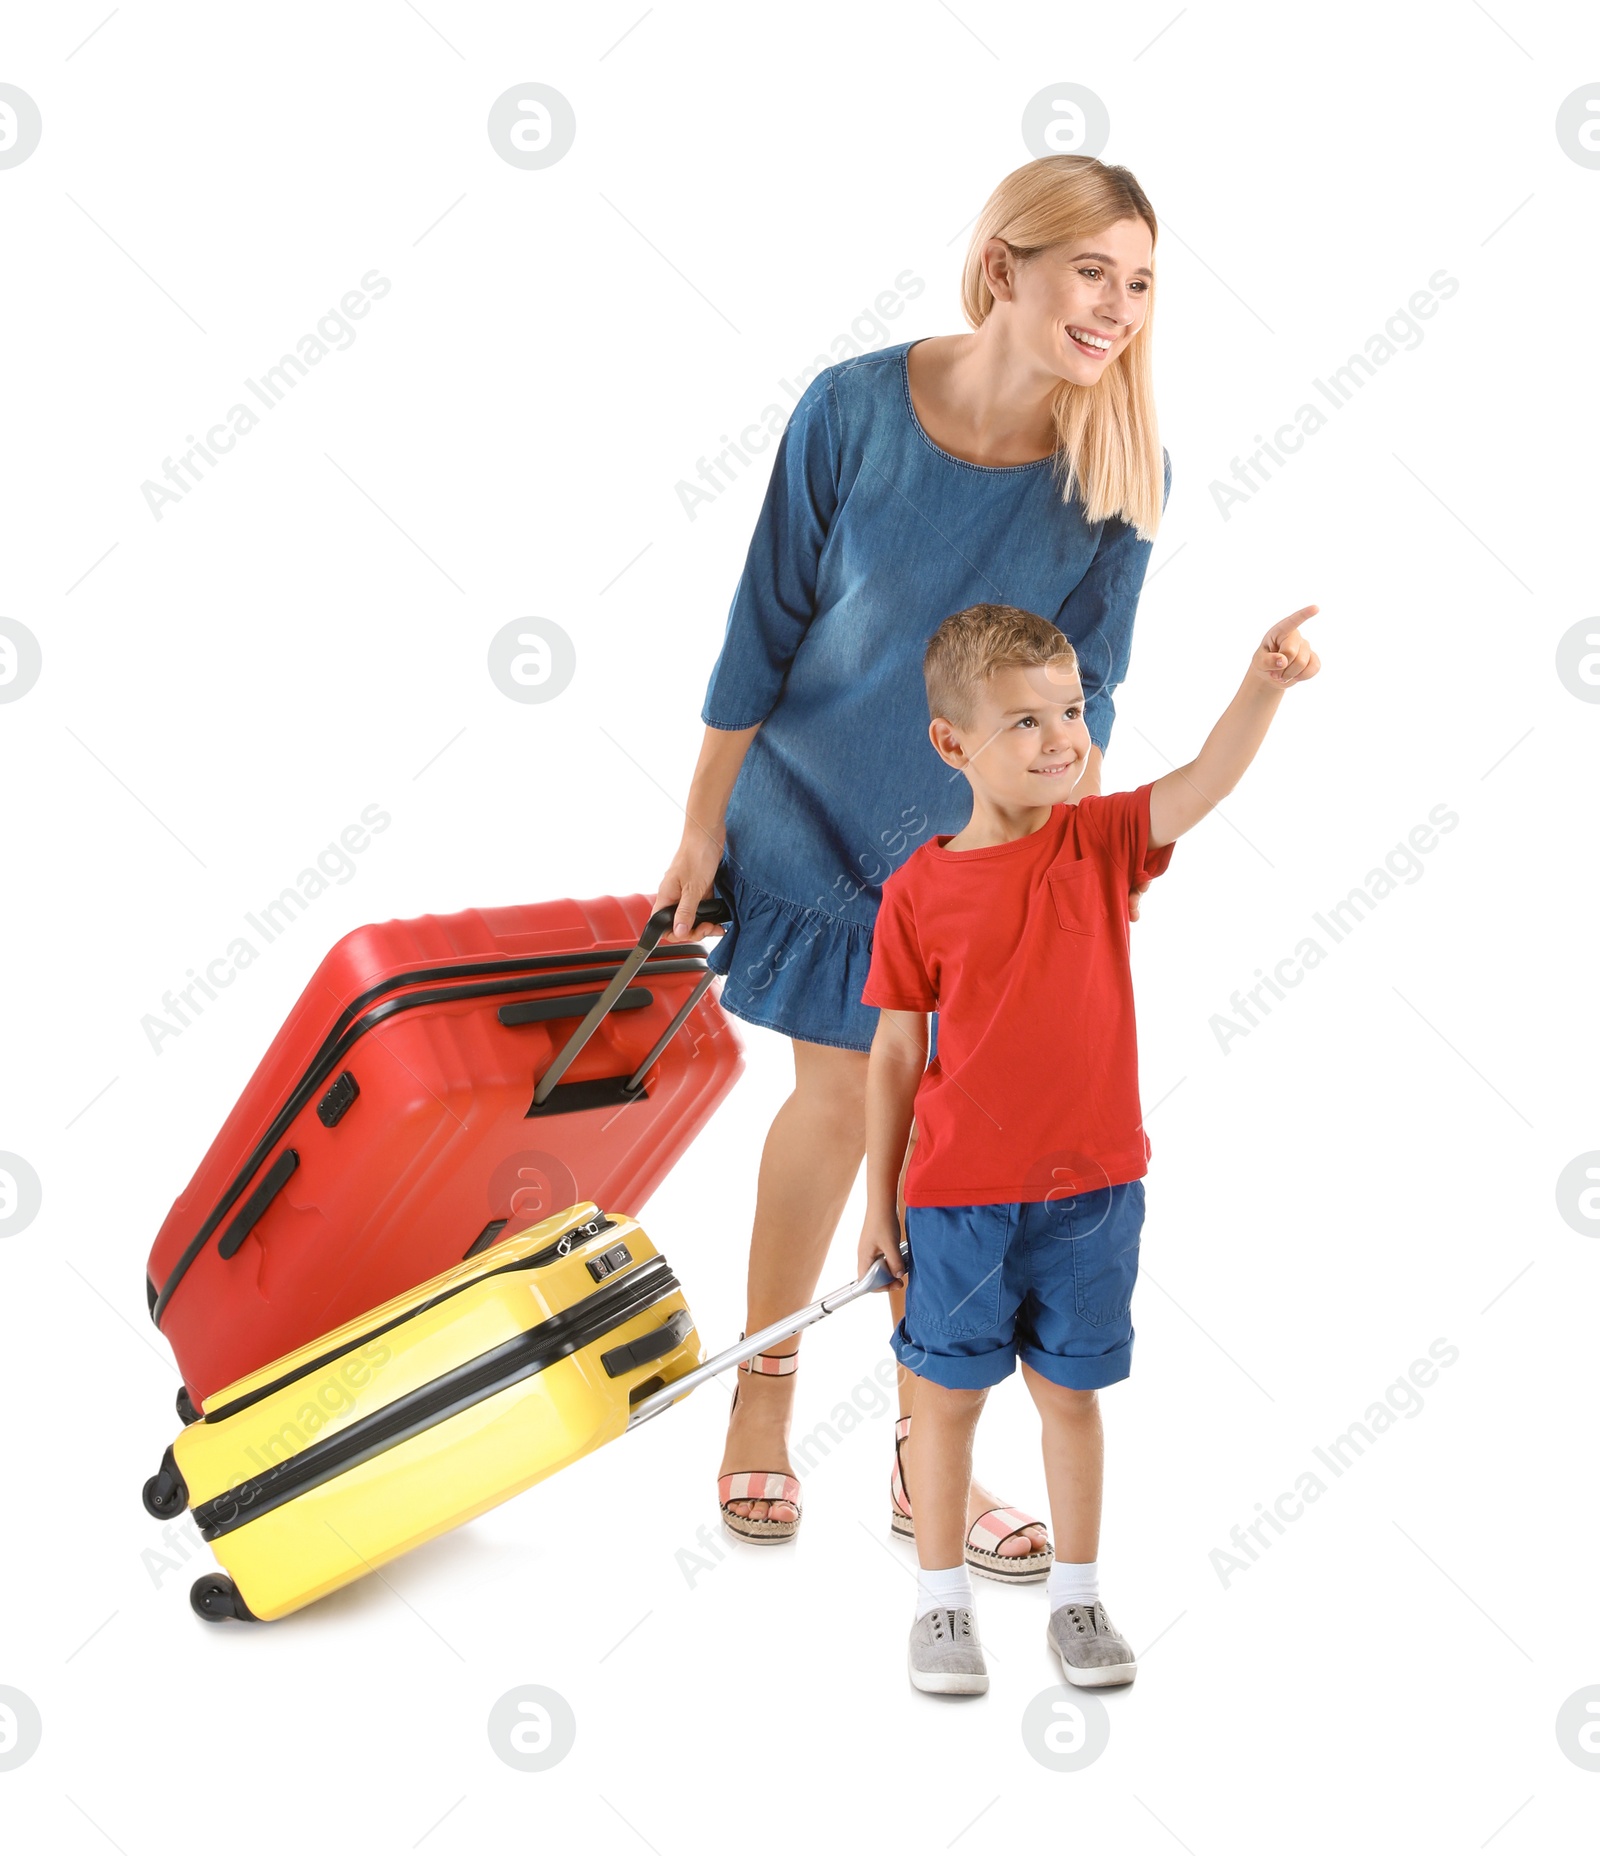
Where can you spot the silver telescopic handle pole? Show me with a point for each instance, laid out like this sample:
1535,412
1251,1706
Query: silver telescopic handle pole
712,909
878,1277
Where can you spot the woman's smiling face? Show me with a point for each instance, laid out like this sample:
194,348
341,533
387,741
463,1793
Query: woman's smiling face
1077,306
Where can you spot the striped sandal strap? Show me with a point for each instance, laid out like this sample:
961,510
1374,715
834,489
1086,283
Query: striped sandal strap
759,1485
897,1476
997,1525
777,1365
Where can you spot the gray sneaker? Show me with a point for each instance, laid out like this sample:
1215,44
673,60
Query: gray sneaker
944,1657
1093,1654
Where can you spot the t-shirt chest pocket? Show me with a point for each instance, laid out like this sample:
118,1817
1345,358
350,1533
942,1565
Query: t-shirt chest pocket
1076,896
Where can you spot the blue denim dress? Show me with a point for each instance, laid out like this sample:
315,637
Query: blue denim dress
869,537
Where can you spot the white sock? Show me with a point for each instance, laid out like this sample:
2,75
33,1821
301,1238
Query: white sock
946,1588
1073,1585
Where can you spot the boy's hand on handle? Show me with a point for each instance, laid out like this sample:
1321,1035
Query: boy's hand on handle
880,1237
1284,656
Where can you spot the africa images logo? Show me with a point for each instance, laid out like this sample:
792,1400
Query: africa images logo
333,331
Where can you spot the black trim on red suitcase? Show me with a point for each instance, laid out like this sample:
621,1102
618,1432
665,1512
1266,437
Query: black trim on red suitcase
355,1020
417,1411
597,1092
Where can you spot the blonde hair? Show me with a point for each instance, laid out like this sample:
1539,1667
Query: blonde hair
1108,447
970,646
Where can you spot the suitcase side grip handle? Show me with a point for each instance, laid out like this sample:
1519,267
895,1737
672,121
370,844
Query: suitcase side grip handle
570,1005
648,1347
254,1208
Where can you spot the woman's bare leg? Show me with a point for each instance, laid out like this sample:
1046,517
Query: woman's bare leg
809,1164
979,1500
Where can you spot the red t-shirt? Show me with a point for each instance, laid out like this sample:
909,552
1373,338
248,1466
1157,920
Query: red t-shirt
1022,949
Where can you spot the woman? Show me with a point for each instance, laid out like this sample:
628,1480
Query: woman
1019,464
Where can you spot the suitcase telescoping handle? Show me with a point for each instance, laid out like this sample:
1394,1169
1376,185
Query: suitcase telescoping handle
878,1277
713,909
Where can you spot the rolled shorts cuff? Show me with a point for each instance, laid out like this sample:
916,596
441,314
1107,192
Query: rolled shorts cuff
961,1372
1080,1372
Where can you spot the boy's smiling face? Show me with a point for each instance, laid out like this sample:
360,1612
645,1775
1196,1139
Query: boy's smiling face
1028,744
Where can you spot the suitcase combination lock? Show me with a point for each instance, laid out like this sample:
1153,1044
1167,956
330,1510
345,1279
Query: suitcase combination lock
609,1262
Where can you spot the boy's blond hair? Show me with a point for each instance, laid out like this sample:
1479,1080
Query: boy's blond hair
970,646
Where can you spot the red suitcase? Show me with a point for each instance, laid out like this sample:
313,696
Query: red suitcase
441,1083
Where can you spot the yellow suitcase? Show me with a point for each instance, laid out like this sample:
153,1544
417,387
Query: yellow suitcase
427,1411
437,1406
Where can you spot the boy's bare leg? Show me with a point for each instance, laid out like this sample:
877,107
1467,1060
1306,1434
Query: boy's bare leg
809,1163
1074,1465
979,1500
941,1470
1093,1652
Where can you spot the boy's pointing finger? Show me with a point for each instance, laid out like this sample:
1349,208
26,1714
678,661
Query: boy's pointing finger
1285,628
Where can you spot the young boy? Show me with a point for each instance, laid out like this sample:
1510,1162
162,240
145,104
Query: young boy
1024,1194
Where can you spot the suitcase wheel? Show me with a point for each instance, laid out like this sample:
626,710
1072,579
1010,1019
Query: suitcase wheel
187,1409
216,1599
166,1493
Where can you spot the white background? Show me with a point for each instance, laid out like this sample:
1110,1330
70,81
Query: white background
1372,1168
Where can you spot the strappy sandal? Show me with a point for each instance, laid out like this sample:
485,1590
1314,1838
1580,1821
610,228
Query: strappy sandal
761,1485
986,1535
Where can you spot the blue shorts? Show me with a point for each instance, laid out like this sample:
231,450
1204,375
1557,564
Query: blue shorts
1049,1281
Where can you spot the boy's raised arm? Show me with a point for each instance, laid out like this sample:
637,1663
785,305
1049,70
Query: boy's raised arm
894,1069
1180,799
